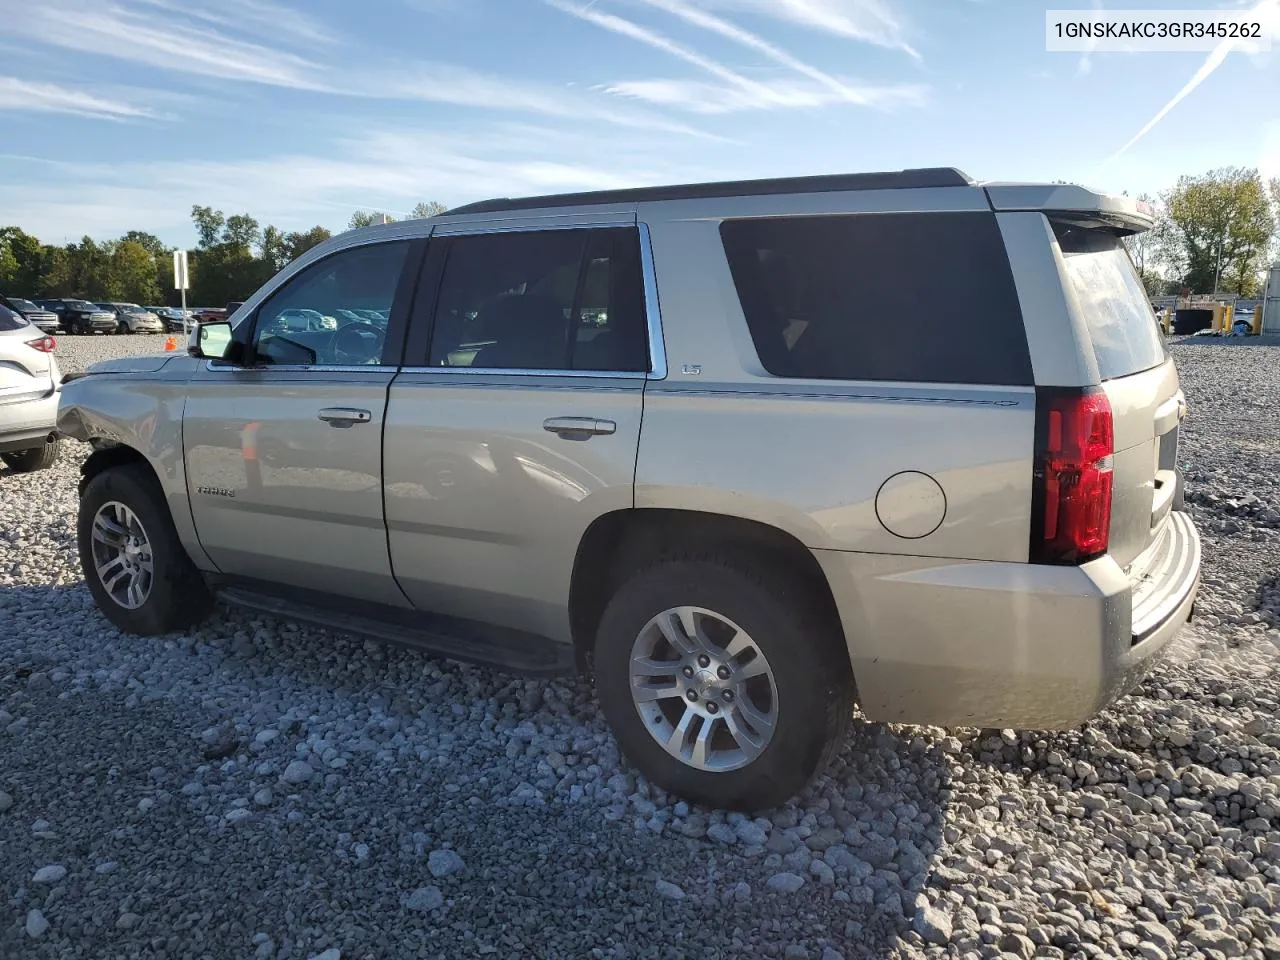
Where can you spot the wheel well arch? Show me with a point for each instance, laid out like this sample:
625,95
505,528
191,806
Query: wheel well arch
105,458
618,543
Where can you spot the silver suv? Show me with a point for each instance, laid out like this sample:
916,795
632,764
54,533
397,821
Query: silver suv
744,452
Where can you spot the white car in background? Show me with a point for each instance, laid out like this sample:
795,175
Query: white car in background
30,386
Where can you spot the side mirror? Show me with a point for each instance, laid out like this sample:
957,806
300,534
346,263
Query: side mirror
209,340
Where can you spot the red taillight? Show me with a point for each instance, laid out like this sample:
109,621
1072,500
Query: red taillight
1071,501
44,344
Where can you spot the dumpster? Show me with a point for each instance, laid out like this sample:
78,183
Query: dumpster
1192,319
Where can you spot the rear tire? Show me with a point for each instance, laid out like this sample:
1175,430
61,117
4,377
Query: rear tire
33,458
175,595
804,678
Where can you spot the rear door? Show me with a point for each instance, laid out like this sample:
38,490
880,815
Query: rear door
517,424
1139,379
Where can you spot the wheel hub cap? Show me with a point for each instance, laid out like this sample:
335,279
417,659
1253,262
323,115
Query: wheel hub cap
704,689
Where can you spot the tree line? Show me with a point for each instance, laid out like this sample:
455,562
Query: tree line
234,255
1215,233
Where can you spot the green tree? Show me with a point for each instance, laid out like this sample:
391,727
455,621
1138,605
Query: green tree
1143,250
26,268
209,223
366,218
299,243
1219,229
132,273
274,248
428,208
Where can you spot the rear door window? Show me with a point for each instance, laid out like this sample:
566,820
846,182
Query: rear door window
915,297
1116,310
543,300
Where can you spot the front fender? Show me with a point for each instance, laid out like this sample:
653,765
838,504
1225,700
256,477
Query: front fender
141,411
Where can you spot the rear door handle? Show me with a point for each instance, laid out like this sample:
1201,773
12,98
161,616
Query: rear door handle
578,428
344,416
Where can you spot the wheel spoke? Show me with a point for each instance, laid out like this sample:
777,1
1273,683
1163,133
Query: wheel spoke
739,645
702,741
758,721
649,667
749,743
106,568
107,530
135,592
673,629
117,578
646,692
756,667
680,734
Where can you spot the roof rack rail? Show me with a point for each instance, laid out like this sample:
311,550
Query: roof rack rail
899,180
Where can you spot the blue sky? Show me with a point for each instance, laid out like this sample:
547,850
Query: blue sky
121,114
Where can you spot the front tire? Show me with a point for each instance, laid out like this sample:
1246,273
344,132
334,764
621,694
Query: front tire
33,458
723,679
133,562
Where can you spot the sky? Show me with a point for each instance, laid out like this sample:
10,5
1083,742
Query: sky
122,114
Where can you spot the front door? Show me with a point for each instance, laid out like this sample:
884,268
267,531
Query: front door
284,454
518,425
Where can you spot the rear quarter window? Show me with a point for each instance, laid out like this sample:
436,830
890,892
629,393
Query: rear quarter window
12,320
1122,325
915,297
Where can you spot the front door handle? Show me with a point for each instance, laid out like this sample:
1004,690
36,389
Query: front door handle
578,428
344,416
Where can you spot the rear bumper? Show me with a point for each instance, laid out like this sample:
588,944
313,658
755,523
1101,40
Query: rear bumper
960,643
27,423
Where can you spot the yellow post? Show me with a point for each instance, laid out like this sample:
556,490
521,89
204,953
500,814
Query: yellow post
1216,323
1257,320
1228,318
1168,320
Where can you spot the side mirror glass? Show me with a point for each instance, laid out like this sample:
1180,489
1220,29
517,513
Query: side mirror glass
209,340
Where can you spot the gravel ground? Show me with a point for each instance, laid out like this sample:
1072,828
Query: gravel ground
259,789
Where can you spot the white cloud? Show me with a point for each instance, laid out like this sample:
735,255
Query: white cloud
870,21
633,30
737,91
22,95
711,98
1267,11
385,170
150,35
737,34
265,17
147,38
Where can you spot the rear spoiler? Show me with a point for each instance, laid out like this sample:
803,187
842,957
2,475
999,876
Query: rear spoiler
1078,205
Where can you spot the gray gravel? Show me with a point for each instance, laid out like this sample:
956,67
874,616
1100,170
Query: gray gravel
261,789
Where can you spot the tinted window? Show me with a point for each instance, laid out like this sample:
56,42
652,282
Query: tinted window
918,297
547,300
9,320
312,319
1125,337
22,304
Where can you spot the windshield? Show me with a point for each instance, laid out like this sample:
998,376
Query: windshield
1122,326
23,304
81,305
131,308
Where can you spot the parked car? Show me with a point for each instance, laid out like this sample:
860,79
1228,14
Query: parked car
208,314
299,318
45,320
132,318
171,317
737,508
30,384
80,316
